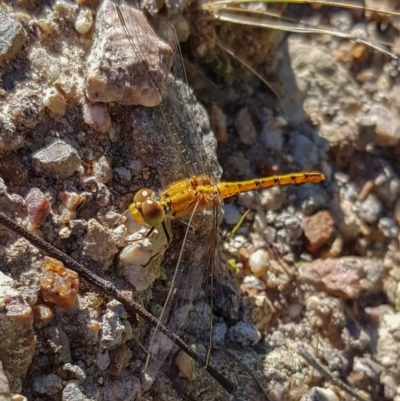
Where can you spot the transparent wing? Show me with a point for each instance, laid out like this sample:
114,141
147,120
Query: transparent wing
177,105
197,253
194,264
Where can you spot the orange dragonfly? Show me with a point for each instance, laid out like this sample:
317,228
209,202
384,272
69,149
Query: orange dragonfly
195,198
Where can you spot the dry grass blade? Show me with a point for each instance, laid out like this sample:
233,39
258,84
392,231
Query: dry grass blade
236,15
328,3
325,372
248,66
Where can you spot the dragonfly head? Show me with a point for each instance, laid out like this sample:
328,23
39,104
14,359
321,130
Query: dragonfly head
145,210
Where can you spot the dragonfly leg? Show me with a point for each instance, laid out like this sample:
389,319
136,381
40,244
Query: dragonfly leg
168,237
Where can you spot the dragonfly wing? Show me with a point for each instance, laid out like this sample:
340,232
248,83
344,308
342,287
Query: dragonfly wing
195,256
178,106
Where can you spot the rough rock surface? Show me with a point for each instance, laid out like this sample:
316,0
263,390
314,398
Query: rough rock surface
69,133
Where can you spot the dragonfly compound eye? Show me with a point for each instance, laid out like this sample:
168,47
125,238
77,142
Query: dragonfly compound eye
153,213
143,195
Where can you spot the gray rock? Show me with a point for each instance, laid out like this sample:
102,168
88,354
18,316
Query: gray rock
245,127
75,371
122,389
103,360
16,322
10,138
219,332
253,282
59,342
5,392
26,107
12,37
323,88
47,384
231,214
369,210
320,394
304,152
387,127
58,160
99,244
71,392
114,330
123,173
244,334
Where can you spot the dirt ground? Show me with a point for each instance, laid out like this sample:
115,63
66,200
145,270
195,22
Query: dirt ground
313,267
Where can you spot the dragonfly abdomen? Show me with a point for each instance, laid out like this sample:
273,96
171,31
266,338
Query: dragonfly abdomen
228,189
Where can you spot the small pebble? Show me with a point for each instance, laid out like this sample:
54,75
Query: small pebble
102,170
13,37
38,207
75,371
294,310
259,262
55,101
344,277
320,394
71,392
388,227
260,223
99,244
232,215
387,127
10,138
84,20
71,200
103,195
136,167
218,123
119,359
96,115
47,384
244,334
103,360
123,173
272,198
43,315
59,285
58,160
115,330
318,230
219,332
369,210
245,127
252,282
127,387
186,365
249,200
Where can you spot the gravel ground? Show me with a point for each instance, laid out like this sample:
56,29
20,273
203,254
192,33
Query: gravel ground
315,266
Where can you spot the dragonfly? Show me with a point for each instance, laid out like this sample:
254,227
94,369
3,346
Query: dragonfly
194,198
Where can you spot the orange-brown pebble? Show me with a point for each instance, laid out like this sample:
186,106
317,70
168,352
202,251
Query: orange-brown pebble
38,207
43,315
16,307
318,230
94,325
71,200
218,123
360,53
59,285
